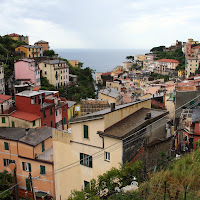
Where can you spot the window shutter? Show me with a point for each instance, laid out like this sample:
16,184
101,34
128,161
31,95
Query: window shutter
23,165
85,131
43,148
3,120
4,161
29,166
81,158
6,146
42,169
90,161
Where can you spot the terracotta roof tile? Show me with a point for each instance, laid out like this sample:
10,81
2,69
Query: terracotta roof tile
168,60
4,98
25,116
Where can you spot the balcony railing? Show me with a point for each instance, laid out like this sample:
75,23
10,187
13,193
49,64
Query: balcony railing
47,157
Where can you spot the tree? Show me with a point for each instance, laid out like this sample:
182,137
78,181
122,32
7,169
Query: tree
6,181
49,53
131,58
160,48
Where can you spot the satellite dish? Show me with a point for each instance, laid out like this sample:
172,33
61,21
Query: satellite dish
12,166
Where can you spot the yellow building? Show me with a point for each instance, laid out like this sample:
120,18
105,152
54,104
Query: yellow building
111,95
140,57
96,143
30,51
43,44
73,109
74,63
113,84
181,72
56,71
18,37
192,65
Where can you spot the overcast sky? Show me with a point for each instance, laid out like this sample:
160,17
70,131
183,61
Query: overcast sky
135,24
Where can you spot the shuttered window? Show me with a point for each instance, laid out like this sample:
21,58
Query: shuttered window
26,166
86,131
86,160
42,169
43,147
3,120
6,146
34,123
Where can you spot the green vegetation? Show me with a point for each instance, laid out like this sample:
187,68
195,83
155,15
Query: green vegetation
6,181
155,76
104,187
131,58
49,53
156,49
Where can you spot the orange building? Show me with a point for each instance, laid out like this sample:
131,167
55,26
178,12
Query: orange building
30,51
43,44
32,152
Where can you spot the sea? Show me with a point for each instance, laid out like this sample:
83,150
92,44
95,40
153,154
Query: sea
100,60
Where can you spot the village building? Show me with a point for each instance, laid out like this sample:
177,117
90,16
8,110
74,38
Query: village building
74,63
31,150
191,67
101,140
30,51
43,44
127,66
56,71
2,80
111,95
18,37
27,72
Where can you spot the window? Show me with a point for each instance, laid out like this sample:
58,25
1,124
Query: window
44,114
43,147
34,123
6,146
59,111
86,183
56,112
61,77
64,120
107,156
51,123
13,124
61,72
26,166
7,162
66,70
86,160
45,72
51,111
86,131
3,120
45,65
42,169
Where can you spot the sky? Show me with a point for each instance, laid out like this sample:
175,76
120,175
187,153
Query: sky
102,24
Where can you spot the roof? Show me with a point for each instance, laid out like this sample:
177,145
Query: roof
31,46
41,42
25,116
37,136
51,62
112,92
134,121
168,60
14,34
4,98
31,137
28,93
26,60
99,114
70,103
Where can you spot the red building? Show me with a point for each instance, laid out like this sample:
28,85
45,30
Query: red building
46,104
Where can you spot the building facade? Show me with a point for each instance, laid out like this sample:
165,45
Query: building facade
18,37
43,44
26,71
2,81
30,51
56,71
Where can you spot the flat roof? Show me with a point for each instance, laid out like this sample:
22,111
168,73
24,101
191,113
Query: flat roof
28,93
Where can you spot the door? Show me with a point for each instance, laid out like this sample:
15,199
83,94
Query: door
13,124
28,184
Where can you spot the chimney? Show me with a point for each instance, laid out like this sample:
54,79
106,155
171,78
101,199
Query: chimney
148,116
26,129
112,106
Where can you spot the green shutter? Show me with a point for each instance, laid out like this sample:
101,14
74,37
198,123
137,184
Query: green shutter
81,158
90,161
64,120
29,165
6,146
34,123
42,169
3,120
28,184
43,148
13,124
23,166
85,131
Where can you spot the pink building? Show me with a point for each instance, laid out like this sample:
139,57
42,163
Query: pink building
26,71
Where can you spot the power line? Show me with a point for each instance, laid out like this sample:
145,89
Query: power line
122,139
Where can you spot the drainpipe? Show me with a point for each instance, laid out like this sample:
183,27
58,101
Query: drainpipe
102,140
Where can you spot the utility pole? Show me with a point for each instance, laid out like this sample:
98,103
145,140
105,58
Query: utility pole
16,187
32,189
